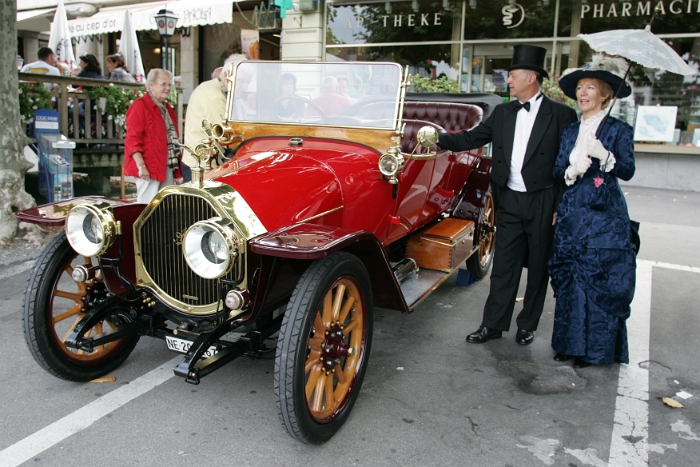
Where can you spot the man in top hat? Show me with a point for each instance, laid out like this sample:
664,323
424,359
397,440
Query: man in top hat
525,134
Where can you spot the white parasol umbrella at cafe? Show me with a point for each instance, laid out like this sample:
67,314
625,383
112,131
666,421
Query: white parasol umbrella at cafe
59,40
129,49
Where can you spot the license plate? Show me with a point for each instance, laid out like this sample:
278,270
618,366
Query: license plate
182,346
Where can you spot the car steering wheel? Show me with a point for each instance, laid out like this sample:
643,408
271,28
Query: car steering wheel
276,107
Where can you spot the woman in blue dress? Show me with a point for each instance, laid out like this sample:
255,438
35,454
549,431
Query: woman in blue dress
593,261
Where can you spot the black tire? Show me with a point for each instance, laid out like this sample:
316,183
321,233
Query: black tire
480,262
53,304
310,343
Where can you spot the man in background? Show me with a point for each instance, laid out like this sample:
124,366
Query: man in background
46,65
207,102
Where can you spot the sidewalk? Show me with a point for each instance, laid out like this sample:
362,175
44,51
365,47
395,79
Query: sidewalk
21,250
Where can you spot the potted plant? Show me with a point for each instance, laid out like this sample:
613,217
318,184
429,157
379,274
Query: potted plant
114,100
32,97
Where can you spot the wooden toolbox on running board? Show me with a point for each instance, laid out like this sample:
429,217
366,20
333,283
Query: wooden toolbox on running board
442,246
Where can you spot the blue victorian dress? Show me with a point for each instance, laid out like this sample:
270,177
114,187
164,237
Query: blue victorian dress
593,263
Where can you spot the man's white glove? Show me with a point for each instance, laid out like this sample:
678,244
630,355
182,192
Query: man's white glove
597,150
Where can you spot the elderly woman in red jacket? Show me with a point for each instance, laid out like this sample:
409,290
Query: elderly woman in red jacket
151,151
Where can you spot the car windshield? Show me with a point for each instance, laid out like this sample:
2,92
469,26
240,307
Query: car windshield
349,94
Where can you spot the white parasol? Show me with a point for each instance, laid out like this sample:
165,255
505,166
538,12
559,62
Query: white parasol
640,46
59,40
129,49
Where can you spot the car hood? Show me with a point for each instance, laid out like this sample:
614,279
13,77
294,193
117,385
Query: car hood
286,185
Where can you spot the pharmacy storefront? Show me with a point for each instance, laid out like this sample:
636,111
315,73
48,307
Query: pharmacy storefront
471,42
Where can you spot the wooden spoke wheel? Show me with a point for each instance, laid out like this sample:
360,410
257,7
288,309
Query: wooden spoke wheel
54,303
323,348
480,262
332,360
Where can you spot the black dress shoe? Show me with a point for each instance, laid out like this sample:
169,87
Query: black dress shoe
524,337
560,357
578,363
483,334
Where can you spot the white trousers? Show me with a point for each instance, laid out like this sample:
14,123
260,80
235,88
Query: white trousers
146,190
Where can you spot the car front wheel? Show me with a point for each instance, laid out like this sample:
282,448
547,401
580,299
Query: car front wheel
54,303
323,347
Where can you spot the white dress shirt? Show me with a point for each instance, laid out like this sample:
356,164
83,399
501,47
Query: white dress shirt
523,128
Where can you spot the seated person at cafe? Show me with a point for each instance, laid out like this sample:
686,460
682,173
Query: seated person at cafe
46,65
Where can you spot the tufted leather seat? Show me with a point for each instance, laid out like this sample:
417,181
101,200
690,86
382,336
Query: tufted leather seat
452,117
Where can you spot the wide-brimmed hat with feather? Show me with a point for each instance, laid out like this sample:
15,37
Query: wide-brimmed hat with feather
609,69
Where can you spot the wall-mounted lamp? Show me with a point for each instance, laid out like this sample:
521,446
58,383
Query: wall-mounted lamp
545,2
387,8
414,5
445,4
156,51
472,4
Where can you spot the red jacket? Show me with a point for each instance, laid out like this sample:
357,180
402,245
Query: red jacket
145,133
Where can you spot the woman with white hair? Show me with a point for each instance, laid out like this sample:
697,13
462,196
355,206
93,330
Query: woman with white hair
151,147
593,260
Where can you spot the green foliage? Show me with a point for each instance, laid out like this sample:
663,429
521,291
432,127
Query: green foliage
32,97
442,84
117,100
551,89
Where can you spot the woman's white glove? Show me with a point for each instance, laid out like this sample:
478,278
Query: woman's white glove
580,167
597,150
607,158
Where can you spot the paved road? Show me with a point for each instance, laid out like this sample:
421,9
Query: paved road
428,398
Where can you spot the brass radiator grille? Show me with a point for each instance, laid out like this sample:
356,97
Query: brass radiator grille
161,249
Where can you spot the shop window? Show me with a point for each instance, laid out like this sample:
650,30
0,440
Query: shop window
488,19
392,21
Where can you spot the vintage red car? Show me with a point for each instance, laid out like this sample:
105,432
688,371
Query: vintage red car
329,206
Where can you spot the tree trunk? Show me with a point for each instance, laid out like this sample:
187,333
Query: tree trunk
13,164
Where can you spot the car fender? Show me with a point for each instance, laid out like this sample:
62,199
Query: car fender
53,216
305,242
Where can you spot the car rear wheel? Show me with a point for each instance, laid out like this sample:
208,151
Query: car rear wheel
480,262
323,347
54,303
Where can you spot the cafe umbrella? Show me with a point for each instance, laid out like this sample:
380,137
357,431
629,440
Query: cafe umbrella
640,46
129,49
59,38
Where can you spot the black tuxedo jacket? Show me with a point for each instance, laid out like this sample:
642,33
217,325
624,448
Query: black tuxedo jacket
499,129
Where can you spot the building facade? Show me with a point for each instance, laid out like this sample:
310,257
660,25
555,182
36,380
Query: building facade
471,41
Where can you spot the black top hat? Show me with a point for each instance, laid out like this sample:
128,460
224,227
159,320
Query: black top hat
529,57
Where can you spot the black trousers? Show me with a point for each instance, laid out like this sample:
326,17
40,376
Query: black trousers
524,235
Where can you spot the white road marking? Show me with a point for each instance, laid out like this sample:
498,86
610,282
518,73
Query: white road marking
628,444
82,418
17,269
630,436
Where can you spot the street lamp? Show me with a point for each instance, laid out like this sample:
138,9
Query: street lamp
166,21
